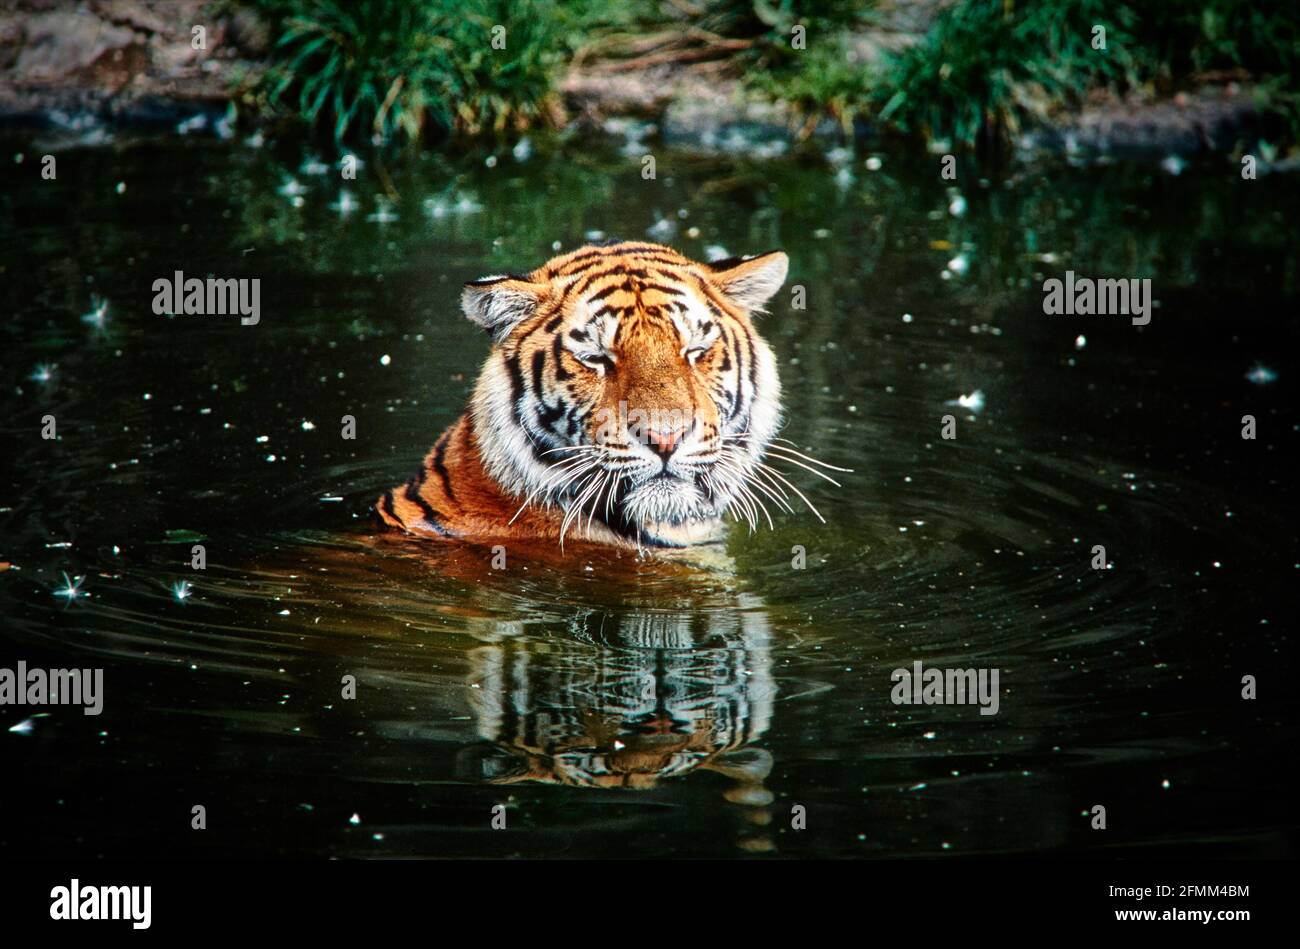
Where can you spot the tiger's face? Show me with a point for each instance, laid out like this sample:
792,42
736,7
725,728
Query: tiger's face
628,385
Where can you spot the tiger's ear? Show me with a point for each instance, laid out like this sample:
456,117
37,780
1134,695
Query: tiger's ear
751,281
498,303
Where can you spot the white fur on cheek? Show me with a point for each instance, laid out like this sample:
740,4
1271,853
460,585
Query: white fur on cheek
506,449
764,416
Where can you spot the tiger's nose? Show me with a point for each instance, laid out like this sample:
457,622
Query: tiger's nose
665,441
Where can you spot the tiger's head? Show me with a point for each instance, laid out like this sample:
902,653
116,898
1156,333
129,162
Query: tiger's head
627,384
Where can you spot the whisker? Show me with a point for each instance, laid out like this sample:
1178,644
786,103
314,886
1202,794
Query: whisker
575,509
592,492
744,436
778,500
595,501
761,476
757,478
825,477
574,448
568,466
613,490
745,483
739,461
755,499
744,499
786,481
726,482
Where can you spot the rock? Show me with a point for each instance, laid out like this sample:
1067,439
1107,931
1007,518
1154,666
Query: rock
12,35
63,46
128,61
249,32
1213,119
689,107
598,94
133,14
722,116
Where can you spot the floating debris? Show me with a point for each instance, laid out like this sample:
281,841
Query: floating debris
383,213
181,535
195,123
663,228
440,206
181,591
42,373
225,126
71,588
27,725
346,204
1261,375
632,131
974,402
98,312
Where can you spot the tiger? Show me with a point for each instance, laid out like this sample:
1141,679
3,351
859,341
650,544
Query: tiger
627,397
628,699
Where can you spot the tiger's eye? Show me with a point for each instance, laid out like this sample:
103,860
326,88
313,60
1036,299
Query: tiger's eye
597,361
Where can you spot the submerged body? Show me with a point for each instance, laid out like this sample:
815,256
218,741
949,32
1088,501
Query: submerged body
627,400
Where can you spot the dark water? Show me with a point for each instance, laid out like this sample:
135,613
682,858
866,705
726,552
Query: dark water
713,701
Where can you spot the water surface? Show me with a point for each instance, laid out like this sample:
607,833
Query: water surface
625,707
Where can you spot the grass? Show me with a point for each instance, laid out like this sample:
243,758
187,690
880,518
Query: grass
986,67
390,70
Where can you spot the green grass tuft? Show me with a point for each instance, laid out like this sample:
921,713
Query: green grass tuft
391,69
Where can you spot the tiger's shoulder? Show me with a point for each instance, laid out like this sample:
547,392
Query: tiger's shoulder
453,496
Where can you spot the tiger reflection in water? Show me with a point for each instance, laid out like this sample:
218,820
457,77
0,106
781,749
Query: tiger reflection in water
626,701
